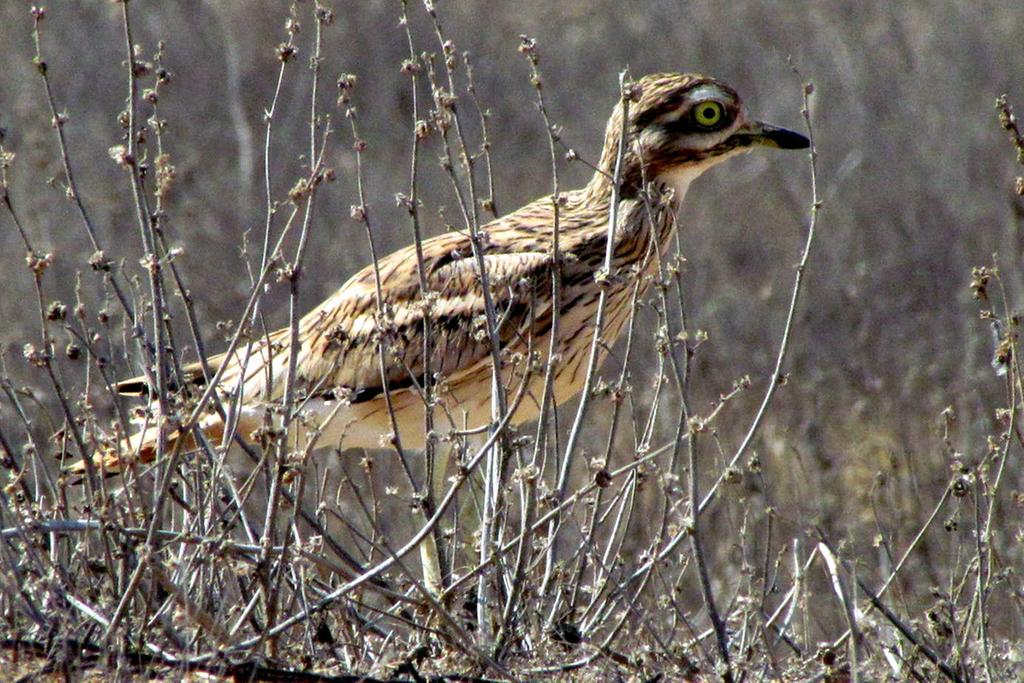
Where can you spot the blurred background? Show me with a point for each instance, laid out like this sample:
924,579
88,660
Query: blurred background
915,173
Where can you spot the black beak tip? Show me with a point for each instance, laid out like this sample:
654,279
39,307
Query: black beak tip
787,139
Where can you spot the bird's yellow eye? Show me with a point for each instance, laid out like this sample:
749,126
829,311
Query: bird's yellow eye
708,114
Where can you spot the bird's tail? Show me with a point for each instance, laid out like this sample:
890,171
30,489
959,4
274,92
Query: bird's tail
142,447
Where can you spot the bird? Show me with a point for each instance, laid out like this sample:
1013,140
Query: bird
360,371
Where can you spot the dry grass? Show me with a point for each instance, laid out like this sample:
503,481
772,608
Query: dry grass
879,496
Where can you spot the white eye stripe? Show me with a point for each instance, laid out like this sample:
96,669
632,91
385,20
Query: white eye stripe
706,92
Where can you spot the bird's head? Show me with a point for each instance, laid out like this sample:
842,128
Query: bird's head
680,125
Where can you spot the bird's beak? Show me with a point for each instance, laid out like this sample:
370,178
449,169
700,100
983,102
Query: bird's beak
767,135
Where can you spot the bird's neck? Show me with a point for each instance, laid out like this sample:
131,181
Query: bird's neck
633,174
600,189
644,213
679,179
627,171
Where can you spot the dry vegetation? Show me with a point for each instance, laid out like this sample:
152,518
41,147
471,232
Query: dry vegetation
862,513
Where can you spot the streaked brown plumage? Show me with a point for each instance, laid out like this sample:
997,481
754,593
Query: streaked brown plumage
679,126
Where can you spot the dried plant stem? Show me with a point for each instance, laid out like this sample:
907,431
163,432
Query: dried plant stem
413,543
565,465
777,377
530,472
494,466
429,555
434,557
280,460
498,551
908,633
59,121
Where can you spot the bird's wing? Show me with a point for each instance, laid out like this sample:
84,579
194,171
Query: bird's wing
338,340
192,372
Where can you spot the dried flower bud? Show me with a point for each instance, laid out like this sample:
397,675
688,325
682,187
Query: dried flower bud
119,153
150,262
34,356
632,92
347,82
57,311
324,16
299,190
754,463
980,276
140,68
165,174
405,202
1006,118
961,487
38,264
285,52
528,47
100,262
